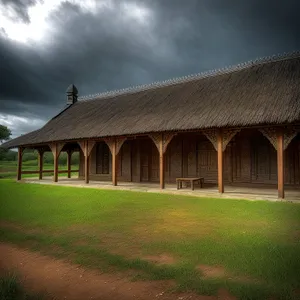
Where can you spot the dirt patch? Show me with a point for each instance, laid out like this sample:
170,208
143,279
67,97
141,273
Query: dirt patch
220,272
10,225
212,271
63,280
81,242
225,295
17,227
162,259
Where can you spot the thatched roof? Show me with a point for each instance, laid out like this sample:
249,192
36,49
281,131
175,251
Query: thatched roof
261,92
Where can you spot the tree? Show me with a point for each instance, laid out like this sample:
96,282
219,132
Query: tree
5,133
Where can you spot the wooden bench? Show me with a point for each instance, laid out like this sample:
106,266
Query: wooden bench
192,181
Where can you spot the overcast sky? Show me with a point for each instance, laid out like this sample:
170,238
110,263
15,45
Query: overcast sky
101,45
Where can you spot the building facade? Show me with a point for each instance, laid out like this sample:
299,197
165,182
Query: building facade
238,126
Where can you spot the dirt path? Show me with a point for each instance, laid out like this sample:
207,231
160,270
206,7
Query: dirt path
68,281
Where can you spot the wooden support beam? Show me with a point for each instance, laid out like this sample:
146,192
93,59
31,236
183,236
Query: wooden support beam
55,165
69,162
138,160
86,169
114,163
56,149
86,163
161,164
41,161
19,170
166,138
115,144
227,136
280,163
220,161
161,141
87,147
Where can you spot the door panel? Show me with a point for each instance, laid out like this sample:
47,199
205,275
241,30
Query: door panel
207,161
145,157
264,161
154,163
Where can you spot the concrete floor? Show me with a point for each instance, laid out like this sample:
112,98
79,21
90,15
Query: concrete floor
234,192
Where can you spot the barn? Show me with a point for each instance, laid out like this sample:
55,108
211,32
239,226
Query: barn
235,126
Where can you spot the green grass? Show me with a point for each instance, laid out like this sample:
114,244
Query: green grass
12,289
256,243
8,169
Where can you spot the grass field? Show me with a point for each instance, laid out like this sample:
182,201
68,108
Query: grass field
250,248
8,169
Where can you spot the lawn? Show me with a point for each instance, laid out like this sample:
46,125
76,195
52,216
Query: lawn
8,169
252,248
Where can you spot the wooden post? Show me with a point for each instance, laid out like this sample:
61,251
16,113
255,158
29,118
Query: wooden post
86,147
40,158
114,164
220,162
55,158
161,164
56,149
69,157
280,163
86,165
138,160
19,170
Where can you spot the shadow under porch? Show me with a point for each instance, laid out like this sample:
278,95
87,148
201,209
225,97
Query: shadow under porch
249,161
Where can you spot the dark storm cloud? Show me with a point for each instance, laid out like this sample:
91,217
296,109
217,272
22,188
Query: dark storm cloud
104,50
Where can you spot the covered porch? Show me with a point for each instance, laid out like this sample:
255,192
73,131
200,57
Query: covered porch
250,163
232,191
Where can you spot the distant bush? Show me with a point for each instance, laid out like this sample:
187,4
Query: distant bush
75,158
30,157
8,155
62,160
48,157
30,162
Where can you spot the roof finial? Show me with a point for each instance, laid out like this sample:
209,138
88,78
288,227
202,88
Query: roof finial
72,94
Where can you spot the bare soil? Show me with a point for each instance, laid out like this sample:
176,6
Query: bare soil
162,259
62,280
212,271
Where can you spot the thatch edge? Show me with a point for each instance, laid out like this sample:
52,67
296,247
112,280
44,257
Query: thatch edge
192,77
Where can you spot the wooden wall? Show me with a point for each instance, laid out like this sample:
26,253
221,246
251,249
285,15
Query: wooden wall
249,158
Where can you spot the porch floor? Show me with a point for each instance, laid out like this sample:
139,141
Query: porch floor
258,192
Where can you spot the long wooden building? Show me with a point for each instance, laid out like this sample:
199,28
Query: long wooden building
238,125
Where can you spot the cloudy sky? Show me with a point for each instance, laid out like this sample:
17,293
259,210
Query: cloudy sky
101,45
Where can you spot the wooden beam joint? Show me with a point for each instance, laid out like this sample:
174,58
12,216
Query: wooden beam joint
164,138
227,136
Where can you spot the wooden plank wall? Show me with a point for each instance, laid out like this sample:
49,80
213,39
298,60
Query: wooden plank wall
249,158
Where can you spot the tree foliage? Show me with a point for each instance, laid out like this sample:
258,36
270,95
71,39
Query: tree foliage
5,133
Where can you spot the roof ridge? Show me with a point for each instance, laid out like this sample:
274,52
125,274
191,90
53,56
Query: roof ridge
191,77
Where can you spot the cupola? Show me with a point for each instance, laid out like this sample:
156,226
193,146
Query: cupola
72,93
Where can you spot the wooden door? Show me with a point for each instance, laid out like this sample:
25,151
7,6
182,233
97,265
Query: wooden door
149,161
145,160
292,162
154,174
263,161
207,161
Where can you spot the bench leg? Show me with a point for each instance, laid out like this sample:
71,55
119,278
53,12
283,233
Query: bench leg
192,185
177,185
